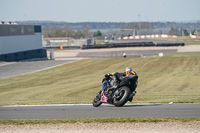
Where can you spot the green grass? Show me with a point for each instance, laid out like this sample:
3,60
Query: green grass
2,63
100,120
186,39
100,41
172,78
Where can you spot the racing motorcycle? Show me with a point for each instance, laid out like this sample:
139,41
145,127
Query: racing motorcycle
117,96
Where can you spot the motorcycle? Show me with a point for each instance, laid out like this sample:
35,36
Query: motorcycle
117,96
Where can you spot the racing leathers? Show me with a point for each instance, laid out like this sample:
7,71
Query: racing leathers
117,78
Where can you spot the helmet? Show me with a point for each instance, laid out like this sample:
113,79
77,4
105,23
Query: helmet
128,70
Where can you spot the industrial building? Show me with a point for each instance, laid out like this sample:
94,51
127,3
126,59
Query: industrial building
21,42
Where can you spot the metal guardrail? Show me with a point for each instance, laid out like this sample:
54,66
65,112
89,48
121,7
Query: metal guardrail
63,46
116,45
133,44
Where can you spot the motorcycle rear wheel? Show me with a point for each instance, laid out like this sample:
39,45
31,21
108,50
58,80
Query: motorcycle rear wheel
123,97
97,100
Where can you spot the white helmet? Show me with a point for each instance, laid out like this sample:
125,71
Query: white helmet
128,69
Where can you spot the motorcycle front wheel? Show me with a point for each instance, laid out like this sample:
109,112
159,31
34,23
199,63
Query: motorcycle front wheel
97,100
122,97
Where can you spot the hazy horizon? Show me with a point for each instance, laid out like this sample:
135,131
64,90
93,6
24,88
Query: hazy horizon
75,11
192,21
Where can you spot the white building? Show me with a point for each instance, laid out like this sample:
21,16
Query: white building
21,42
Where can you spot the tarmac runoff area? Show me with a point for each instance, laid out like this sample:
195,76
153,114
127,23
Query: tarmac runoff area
118,52
20,68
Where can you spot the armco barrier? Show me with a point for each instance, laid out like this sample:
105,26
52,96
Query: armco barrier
147,36
24,55
132,44
117,45
63,47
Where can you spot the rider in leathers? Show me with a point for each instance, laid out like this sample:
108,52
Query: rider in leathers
117,77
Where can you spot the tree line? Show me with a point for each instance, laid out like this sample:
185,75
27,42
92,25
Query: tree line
83,29
82,32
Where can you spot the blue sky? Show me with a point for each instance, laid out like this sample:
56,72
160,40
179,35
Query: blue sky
100,10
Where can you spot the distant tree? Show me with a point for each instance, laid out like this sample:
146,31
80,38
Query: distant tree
172,31
178,32
69,32
58,32
86,31
97,33
186,33
47,32
139,25
195,32
198,32
82,32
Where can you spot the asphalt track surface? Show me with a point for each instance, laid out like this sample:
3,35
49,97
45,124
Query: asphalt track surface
68,111
129,53
20,68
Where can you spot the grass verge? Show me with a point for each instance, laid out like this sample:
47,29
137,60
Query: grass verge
100,120
171,78
2,63
186,39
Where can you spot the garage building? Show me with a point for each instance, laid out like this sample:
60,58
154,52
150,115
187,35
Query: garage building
21,42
